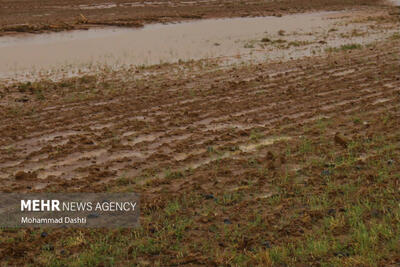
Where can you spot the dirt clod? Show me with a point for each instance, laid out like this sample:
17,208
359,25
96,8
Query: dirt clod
340,140
22,175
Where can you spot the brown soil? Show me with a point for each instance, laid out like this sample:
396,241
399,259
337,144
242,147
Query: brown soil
127,126
171,135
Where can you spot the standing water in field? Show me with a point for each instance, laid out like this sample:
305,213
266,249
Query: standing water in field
259,38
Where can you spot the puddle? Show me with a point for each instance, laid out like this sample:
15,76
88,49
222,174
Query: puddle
101,6
183,156
37,143
382,100
45,174
343,73
139,139
236,39
245,148
8,164
266,142
67,167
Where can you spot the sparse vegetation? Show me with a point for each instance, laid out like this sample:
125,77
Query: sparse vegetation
344,48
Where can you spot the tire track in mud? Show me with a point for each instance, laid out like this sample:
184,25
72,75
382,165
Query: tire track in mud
162,136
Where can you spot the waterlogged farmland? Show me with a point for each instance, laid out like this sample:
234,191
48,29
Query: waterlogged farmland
256,133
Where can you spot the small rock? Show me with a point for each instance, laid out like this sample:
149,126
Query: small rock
340,140
266,244
341,254
227,221
22,99
210,196
243,133
44,234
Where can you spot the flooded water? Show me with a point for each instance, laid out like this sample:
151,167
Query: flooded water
396,2
160,43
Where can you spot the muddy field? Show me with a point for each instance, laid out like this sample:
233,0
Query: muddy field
286,161
48,15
